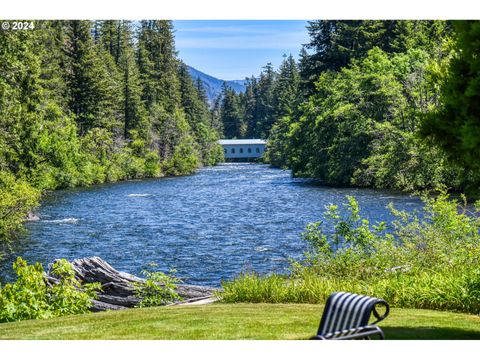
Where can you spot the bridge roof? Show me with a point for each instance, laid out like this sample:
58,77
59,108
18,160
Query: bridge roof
242,142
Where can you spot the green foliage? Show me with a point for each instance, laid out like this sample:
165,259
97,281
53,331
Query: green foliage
158,289
264,115
455,125
197,114
230,114
31,297
336,43
91,79
267,98
401,160
279,143
184,160
350,112
17,198
419,262
85,102
360,127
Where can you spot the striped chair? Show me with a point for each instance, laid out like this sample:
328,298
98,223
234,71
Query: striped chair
346,317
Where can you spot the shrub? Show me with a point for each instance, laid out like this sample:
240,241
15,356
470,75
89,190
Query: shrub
32,297
17,198
185,159
420,261
158,289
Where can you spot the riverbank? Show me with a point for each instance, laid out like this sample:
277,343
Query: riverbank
235,321
423,262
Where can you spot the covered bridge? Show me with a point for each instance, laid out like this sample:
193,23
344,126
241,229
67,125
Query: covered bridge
243,148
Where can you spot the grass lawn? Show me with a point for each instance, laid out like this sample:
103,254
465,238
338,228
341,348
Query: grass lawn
233,321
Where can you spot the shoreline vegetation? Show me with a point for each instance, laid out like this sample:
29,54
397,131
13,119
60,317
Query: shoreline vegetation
426,260
420,260
90,102
378,104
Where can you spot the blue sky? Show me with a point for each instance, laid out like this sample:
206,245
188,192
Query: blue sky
235,49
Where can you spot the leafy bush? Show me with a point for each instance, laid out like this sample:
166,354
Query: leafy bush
158,289
184,160
17,198
32,297
428,261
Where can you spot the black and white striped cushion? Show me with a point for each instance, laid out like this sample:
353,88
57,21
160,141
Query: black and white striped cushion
346,311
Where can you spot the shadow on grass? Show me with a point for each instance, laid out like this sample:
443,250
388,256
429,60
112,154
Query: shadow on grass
429,333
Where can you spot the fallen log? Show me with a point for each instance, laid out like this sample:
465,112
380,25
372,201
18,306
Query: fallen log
118,288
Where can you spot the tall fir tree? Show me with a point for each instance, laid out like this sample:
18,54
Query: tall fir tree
92,88
265,115
286,89
230,114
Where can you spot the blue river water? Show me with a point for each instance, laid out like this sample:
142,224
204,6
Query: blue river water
210,226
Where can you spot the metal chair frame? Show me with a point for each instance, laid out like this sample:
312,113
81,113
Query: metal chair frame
364,331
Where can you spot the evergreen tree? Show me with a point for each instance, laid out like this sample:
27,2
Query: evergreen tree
158,64
49,42
89,77
88,102
197,114
216,115
196,111
202,93
249,106
230,114
265,115
133,108
286,89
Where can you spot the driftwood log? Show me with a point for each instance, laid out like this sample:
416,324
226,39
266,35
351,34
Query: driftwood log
118,288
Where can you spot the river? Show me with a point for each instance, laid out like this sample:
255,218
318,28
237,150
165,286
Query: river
210,226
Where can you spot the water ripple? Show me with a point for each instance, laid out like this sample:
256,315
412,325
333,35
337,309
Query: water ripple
209,226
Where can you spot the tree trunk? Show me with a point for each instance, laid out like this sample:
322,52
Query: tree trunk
118,288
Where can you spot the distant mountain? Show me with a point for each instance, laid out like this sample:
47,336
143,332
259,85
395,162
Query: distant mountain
213,86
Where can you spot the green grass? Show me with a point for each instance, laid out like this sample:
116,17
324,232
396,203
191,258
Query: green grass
233,321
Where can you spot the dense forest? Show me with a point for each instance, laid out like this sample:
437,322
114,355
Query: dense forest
87,102
384,104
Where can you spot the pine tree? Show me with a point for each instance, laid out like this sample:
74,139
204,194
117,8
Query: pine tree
158,64
216,115
49,42
92,88
195,110
230,114
286,89
133,108
20,97
264,106
202,93
110,37
336,42
249,106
